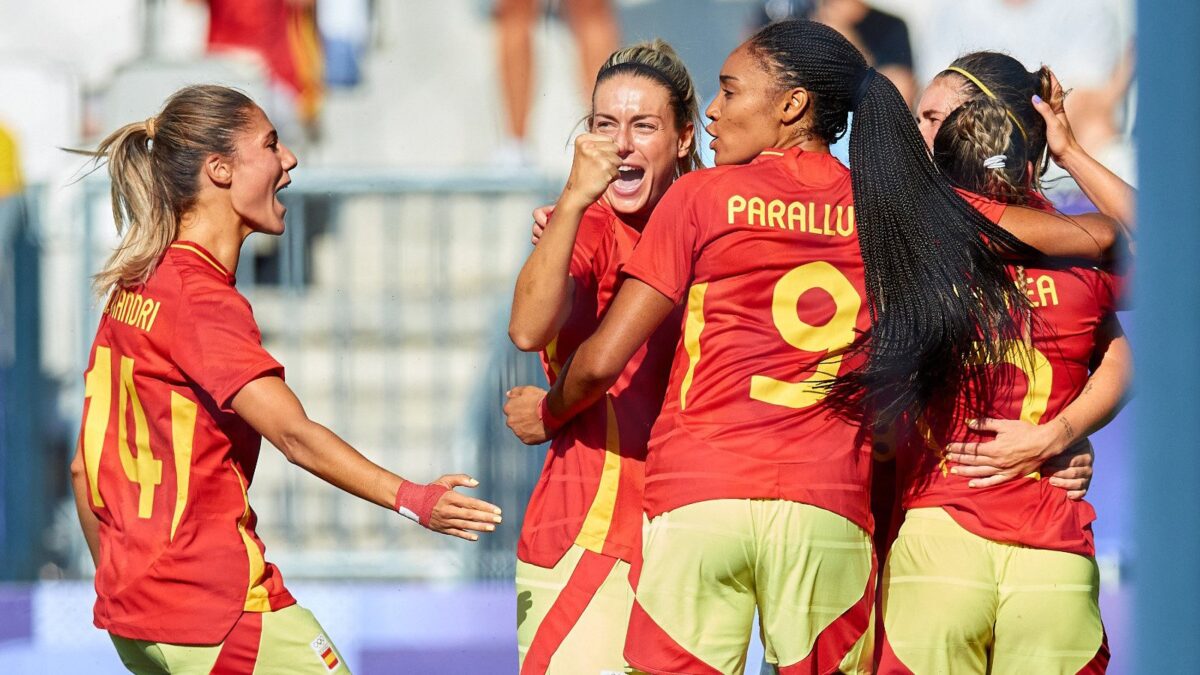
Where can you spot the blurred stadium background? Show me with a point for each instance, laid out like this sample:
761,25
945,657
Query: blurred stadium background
387,299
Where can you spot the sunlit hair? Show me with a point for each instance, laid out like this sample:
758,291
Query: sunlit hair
657,61
155,165
1013,88
980,150
934,288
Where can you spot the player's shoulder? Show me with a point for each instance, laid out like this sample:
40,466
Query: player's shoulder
712,182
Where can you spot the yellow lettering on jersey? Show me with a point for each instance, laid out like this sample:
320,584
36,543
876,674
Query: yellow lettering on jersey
143,468
756,207
737,204
849,230
832,337
795,214
1041,291
791,216
1047,293
132,309
183,429
775,214
97,388
153,316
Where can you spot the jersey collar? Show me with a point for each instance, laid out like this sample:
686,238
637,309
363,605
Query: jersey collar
769,154
196,250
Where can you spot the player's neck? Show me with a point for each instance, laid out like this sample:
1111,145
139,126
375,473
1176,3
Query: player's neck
805,141
219,233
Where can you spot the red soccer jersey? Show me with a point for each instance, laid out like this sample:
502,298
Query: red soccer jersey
767,258
590,491
1070,307
169,462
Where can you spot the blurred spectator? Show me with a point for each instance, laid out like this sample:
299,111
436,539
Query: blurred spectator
282,35
594,25
345,26
881,37
11,181
1081,40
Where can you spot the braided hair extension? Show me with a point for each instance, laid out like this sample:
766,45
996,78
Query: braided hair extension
1013,87
980,150
934,287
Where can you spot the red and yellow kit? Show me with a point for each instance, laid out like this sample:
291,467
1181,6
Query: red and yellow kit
583,525
1002,579
169,462
757,494
590,491
1071,306
766,257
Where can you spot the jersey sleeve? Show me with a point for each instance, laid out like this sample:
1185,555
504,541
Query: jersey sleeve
665,256
217,343
591,233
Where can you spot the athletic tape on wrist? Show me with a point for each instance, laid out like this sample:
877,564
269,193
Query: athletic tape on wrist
548,419
415,501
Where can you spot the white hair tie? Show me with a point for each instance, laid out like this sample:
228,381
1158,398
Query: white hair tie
994,162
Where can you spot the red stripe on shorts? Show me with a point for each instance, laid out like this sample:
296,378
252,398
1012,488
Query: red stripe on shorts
839,638
1099,663
239,651
587,577
889,663
647,643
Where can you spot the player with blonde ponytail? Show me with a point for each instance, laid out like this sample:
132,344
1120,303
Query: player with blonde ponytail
583,525
179,393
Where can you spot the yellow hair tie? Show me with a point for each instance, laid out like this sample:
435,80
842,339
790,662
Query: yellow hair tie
988,92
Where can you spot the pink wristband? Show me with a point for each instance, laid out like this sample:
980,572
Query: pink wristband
415,501
548,419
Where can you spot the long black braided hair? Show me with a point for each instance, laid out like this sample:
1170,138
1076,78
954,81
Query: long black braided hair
940,301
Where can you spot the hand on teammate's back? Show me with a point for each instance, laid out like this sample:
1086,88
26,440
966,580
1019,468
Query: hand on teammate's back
458,515
521,409
1072,470
1018,449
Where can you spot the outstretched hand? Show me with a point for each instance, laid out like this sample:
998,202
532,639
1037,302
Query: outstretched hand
458,515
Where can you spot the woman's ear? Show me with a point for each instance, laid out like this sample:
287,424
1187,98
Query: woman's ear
793,105
686,138
218,170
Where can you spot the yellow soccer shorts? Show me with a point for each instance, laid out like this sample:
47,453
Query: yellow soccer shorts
284,642
954,602
708,565
572,618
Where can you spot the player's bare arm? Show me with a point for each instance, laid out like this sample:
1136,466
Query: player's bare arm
542,298
269,406
87,518
636,312
1020,448
1111,195
1089,236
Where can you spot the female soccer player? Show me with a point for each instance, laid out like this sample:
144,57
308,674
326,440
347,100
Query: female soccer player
757,476
583,524
179,393
1001,577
